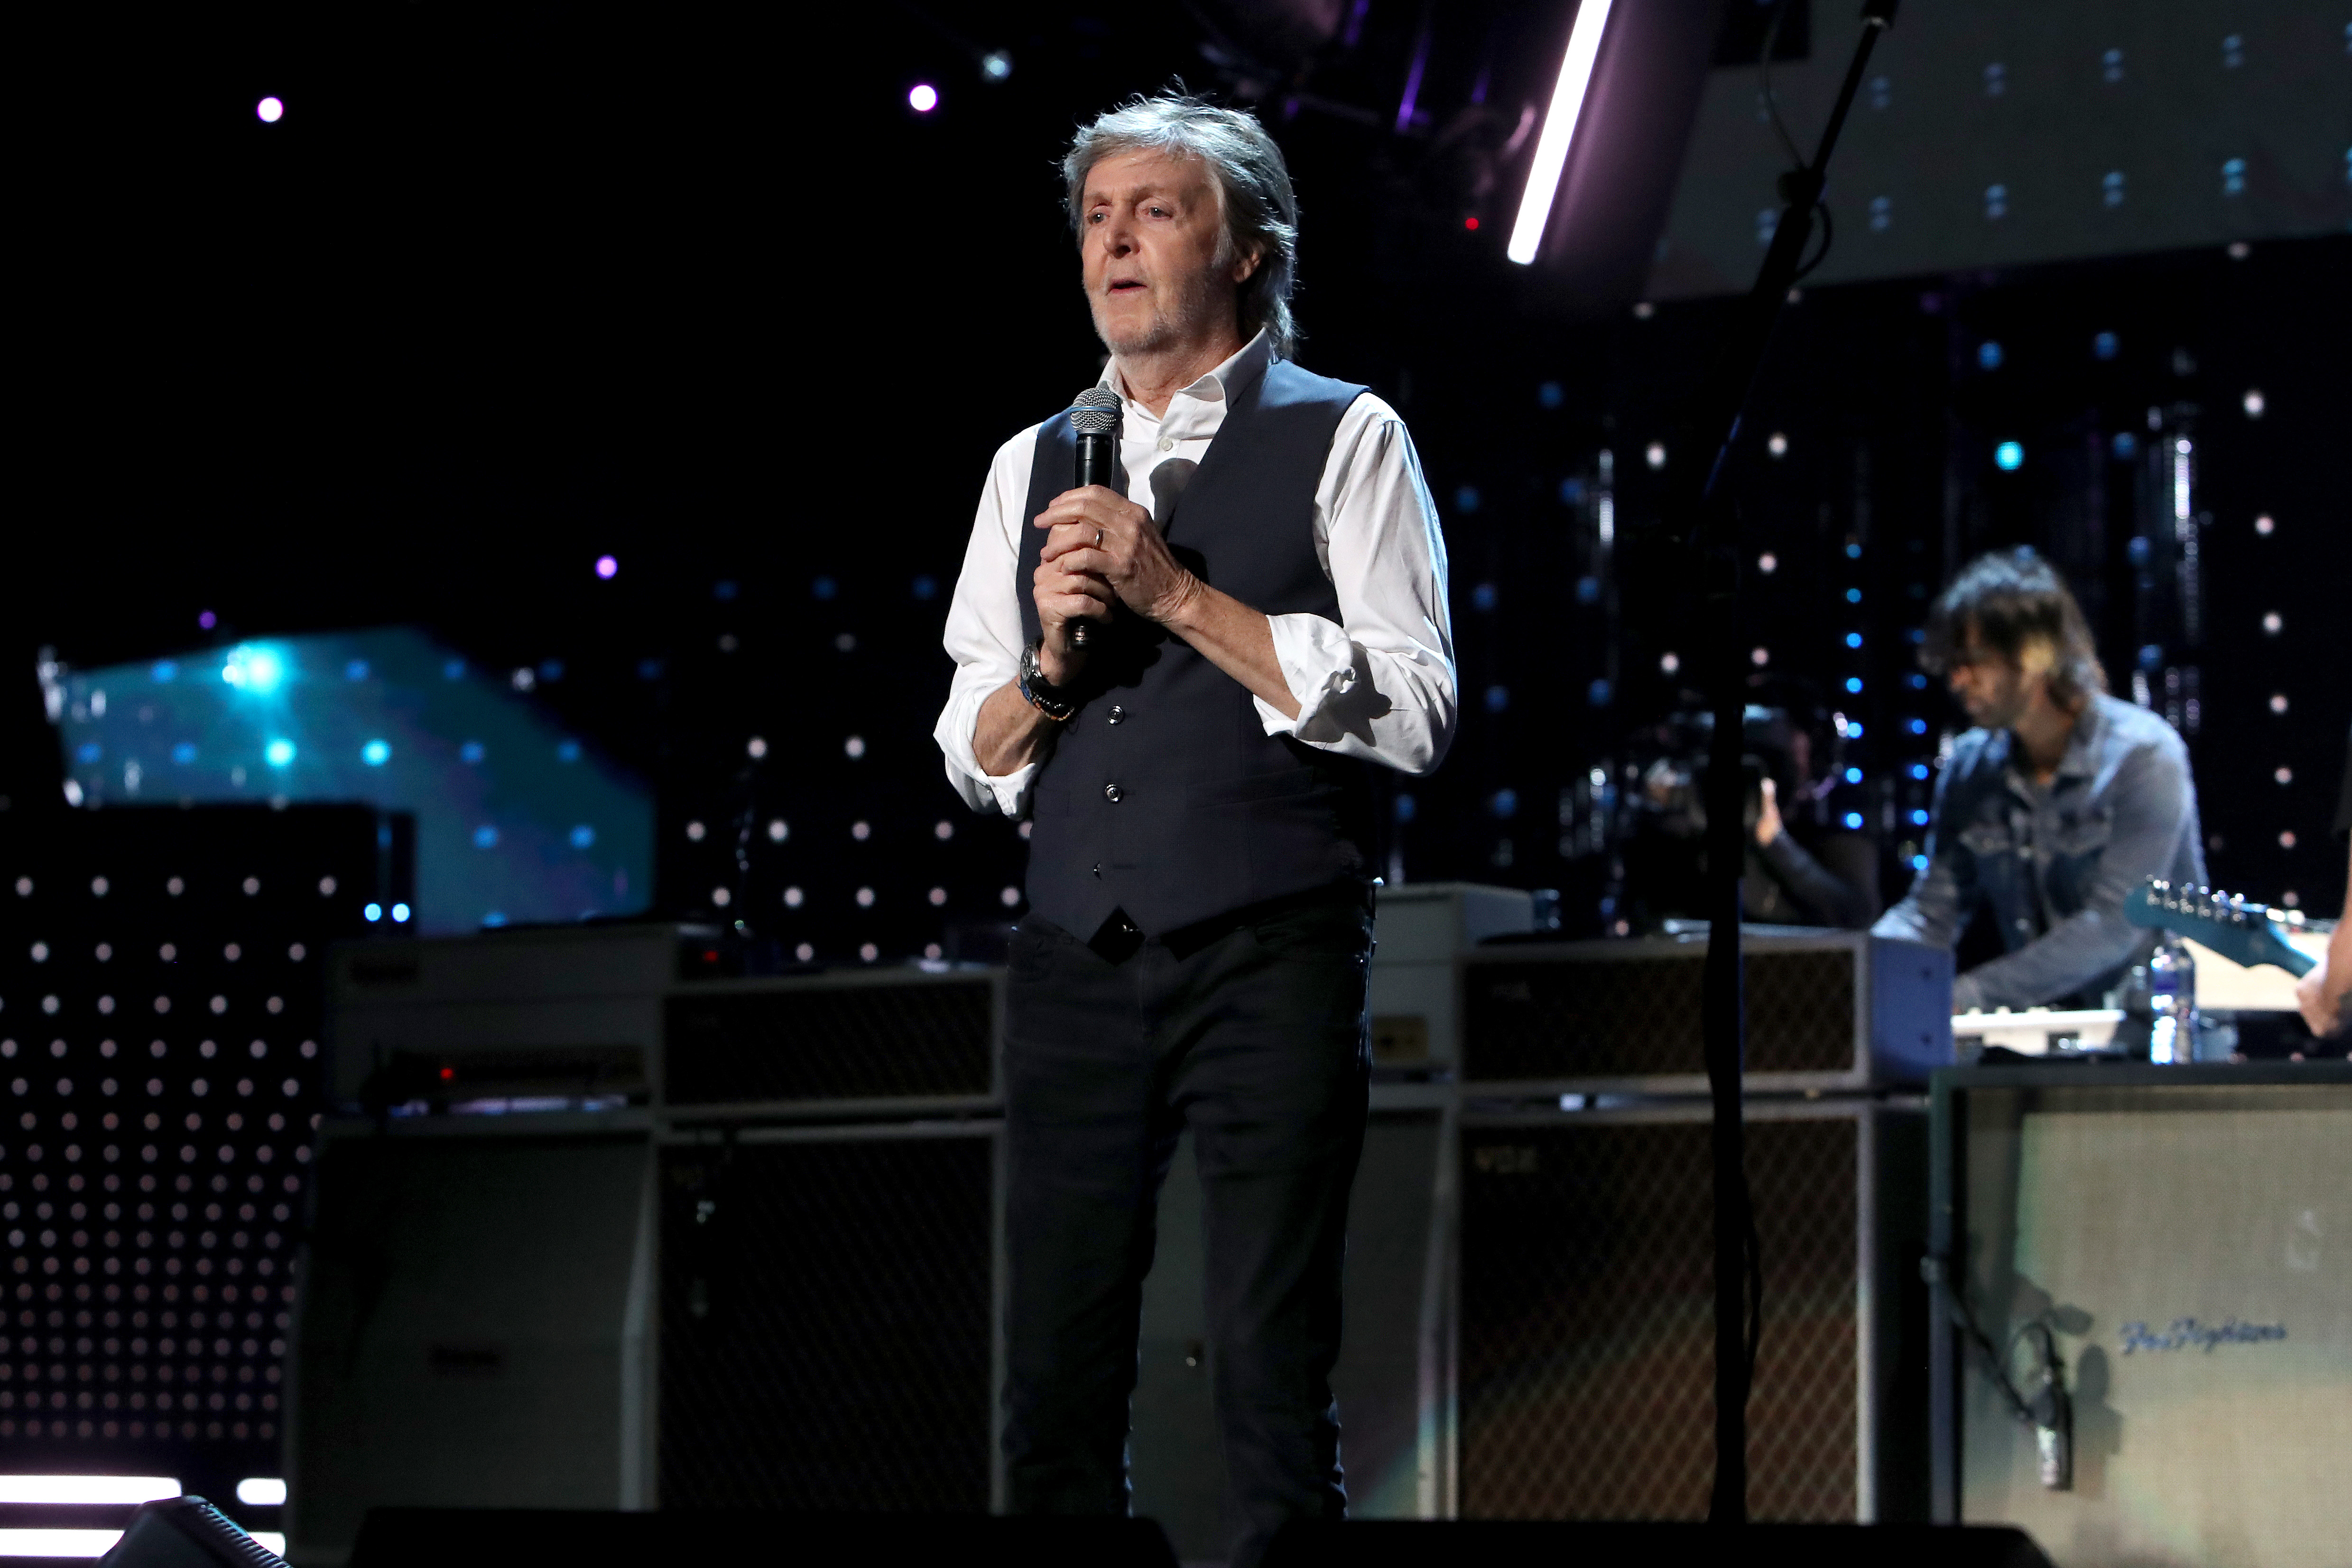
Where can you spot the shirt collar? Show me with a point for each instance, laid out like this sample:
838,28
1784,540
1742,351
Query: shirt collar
2081,758
1204,402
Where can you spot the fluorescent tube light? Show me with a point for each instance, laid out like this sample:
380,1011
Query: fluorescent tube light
1559,130
96,1490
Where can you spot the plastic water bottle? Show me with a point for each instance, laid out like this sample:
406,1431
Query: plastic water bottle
2172,998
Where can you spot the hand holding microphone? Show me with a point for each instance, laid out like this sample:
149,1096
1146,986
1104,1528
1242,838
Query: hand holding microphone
1095,420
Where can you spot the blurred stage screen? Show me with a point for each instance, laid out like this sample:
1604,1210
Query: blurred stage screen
2009,133
517,820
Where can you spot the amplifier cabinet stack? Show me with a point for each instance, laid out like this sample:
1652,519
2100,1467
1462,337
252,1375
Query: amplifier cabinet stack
2183,1238
591,1236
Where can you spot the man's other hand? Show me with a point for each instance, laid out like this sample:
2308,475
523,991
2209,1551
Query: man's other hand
1097,533
2320,1003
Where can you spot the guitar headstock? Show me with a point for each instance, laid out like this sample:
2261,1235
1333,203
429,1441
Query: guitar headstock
2242,932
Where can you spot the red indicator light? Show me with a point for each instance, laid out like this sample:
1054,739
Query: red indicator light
1471,223
447,1073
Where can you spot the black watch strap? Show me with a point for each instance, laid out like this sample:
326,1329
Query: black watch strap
1042,694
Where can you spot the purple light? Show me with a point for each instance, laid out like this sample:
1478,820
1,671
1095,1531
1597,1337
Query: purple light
922,97
606,566
269,110
206,619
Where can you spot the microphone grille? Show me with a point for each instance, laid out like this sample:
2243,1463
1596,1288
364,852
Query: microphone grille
1095,411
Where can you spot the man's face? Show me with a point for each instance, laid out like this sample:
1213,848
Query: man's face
1159,269
1995,691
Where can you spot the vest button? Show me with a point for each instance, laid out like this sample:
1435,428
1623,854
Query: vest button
1110,792
1117,713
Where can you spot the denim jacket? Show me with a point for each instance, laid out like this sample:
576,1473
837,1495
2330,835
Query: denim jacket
2052,864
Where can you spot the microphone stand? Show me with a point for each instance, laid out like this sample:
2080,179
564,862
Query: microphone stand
1701,508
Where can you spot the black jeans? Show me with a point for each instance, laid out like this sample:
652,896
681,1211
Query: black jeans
1251,1032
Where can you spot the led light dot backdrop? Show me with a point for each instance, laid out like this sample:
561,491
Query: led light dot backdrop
160,1008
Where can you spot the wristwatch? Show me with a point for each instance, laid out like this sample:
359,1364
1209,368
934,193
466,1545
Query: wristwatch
1041,693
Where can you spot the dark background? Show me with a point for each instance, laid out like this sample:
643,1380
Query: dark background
512,286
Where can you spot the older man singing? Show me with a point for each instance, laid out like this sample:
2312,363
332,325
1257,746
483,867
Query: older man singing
1263,594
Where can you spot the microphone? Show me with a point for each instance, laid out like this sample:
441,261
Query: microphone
1095,419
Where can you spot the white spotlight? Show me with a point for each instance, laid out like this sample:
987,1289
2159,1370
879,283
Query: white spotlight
269,110
1559,130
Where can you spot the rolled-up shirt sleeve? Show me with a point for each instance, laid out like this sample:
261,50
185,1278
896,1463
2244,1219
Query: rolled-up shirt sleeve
984,631
1379,684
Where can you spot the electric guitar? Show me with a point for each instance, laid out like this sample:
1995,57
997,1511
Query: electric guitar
2240,931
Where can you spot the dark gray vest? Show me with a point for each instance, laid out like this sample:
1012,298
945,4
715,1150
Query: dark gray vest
1164,797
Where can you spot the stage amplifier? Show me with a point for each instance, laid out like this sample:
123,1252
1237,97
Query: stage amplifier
1827,1011
474,1329
884,1042
1586,1349
829,1307
2169,1249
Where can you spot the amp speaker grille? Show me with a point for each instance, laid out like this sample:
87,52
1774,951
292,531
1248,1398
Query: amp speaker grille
1586,1351
1631,1017
830,1042
826,1325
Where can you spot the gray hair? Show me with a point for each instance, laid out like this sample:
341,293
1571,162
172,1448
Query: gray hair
1260,212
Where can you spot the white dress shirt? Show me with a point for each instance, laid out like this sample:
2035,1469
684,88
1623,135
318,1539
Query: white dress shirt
1378,685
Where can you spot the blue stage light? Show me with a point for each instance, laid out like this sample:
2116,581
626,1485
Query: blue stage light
582,836
1405,807
376,753
1919,770
184,753
1466,499
373,912
1598,693
1497,698
400,913
1919,820
1989,354
1854,683
1853,639
1853,775
471,752
165,670
1918,862
253,669
1853,820
1483,597
485,837
2107,345
1917,726
2009,457
1505,803
1853,729
1550,396
1853,552
1854,595
279,753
